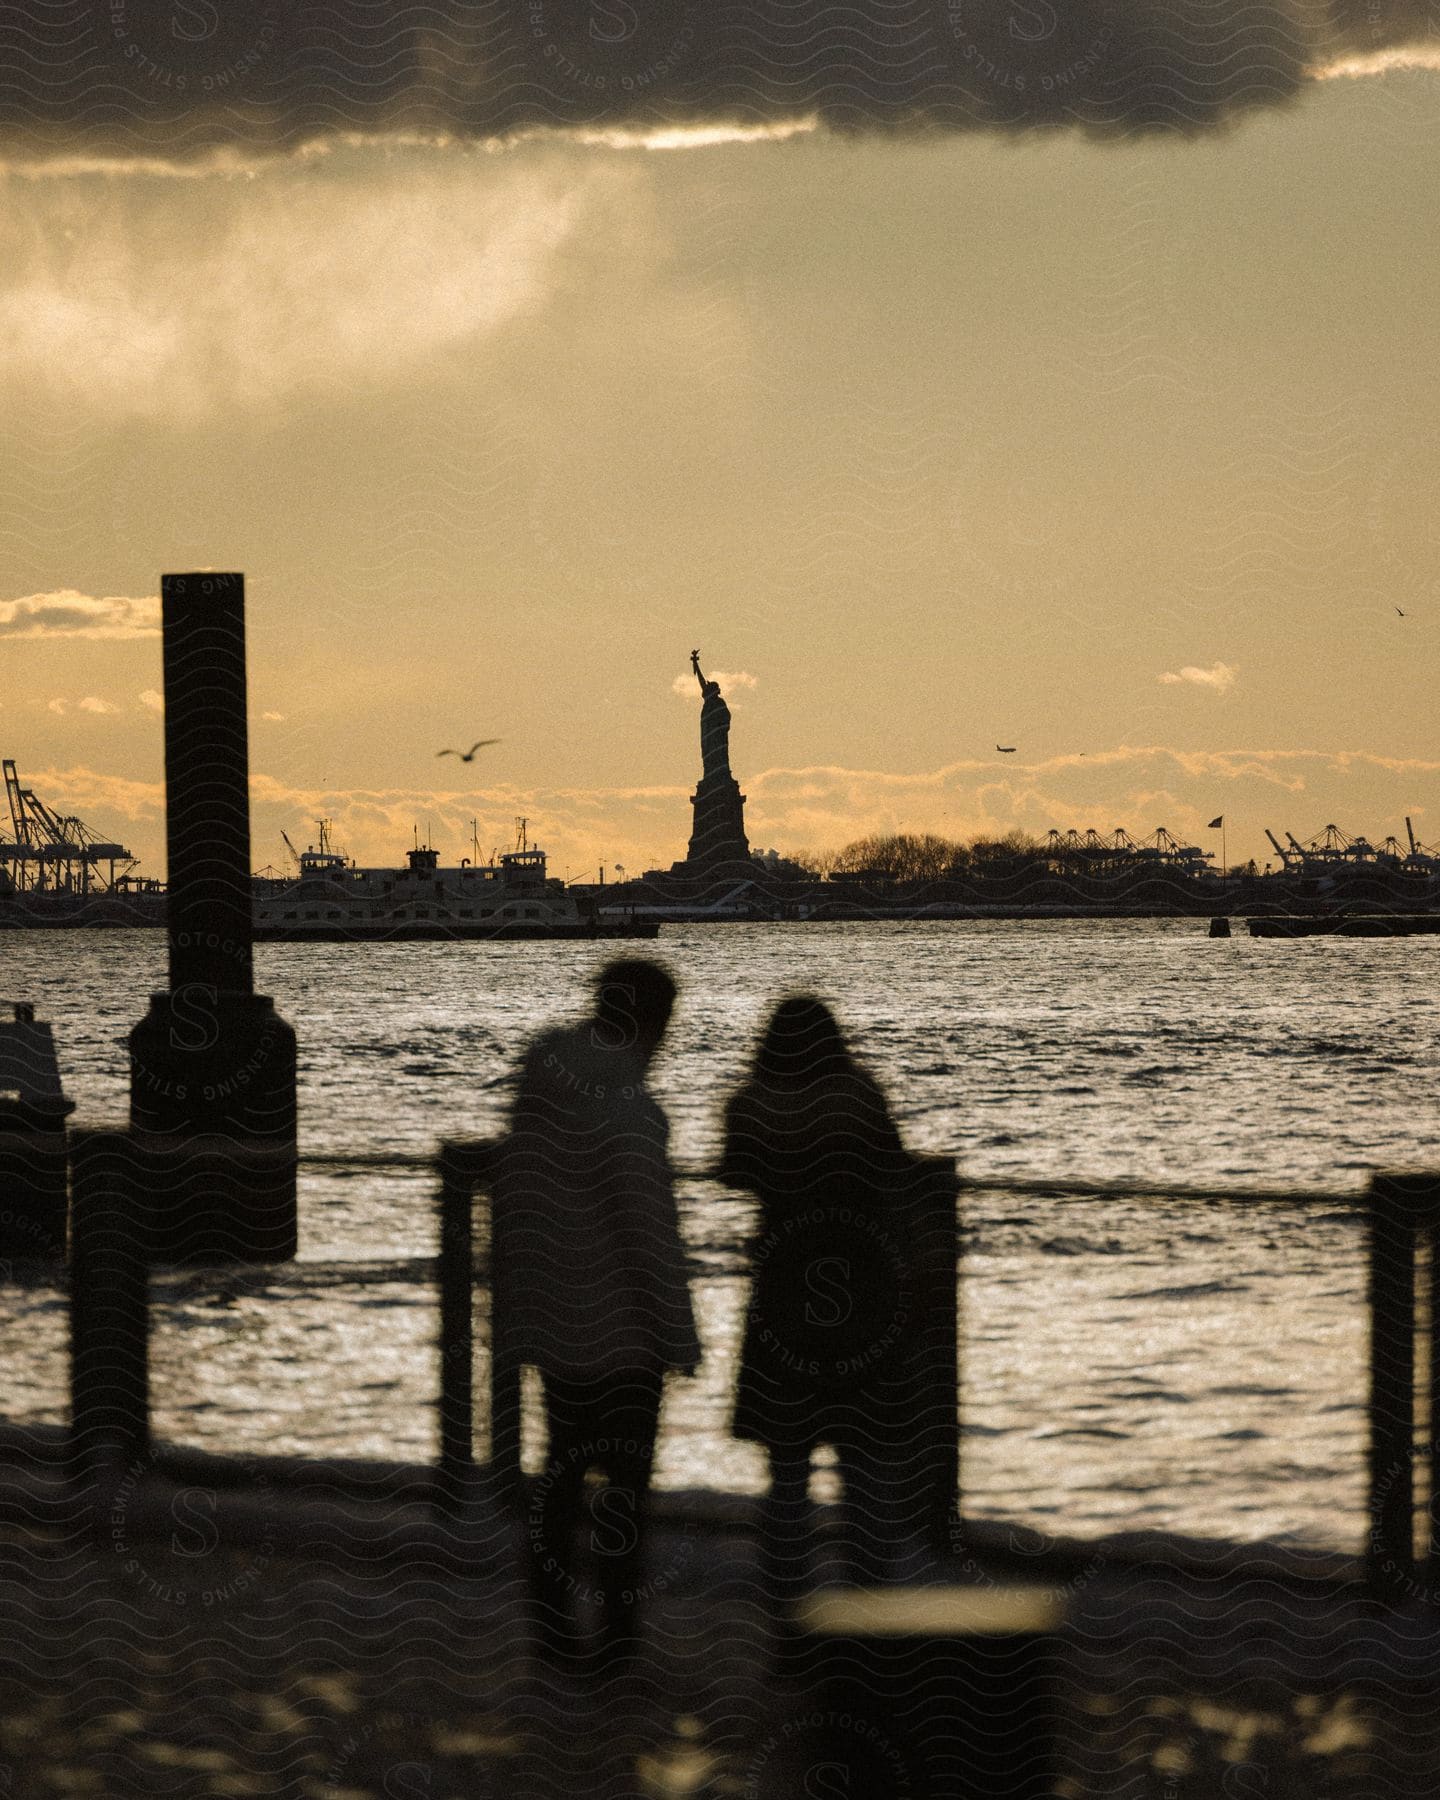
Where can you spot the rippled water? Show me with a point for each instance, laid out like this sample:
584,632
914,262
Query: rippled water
1126,1363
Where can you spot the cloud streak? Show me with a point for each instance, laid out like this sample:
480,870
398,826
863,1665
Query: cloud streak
151,84
1219,677
67,613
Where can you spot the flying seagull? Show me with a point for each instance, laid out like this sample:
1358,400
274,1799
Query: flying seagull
1006,749
469,755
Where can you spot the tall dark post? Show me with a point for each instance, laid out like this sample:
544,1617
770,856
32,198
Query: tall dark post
212,1065
207,782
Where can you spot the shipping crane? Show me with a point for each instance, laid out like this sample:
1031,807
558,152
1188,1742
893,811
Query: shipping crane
1333,853
48,853
1089,850
1423,858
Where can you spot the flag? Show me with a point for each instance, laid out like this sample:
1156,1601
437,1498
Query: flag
1215,824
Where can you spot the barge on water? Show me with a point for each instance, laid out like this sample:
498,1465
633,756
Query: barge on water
1297,925
331,900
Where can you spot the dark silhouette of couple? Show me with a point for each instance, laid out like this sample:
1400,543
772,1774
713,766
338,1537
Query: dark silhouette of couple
846,1334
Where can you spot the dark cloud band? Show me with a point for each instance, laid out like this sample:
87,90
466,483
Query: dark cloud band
180,79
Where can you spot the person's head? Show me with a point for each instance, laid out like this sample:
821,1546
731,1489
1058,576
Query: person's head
633,1003
802,1042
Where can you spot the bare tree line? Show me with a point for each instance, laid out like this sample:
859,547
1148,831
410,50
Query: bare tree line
919,856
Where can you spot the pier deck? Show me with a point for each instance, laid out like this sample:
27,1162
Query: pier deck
282,1669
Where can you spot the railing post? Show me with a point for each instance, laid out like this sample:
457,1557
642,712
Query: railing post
1398,1204
505,1415
109,1304
1431,1239
935,1249
457,1324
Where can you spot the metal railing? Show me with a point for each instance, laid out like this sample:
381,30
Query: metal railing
1402,1218
1401,1212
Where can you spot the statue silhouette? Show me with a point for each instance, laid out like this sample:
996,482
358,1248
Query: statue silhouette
714,724
719,832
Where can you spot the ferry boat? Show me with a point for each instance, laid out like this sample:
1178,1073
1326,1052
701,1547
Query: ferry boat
332,900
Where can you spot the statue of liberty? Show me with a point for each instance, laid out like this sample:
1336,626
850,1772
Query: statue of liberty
718,836
714,723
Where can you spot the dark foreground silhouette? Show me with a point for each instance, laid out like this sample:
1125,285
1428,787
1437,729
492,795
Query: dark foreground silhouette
849,1337
840,1296
596,1296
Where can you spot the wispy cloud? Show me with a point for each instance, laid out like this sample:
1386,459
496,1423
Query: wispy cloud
99,797
1219,677
67,613
151,700
92,703
688,688
303,286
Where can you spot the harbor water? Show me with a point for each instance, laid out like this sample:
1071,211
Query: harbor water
1126,1363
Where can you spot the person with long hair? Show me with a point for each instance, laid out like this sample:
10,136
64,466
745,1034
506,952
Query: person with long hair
828,1353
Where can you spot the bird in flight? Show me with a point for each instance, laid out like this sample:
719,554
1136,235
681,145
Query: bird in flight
469,755
1401,611
1006,749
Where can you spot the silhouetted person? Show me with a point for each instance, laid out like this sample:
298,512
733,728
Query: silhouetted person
593,1289
837,1297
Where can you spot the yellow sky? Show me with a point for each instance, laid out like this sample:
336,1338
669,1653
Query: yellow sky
941,443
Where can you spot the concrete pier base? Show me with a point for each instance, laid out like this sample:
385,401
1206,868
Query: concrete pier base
212,1106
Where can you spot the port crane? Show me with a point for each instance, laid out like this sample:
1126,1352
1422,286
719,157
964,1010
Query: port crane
1333,852
1423,857
1088,849
51,853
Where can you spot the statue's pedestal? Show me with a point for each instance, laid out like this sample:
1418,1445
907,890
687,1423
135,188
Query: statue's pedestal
719,830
